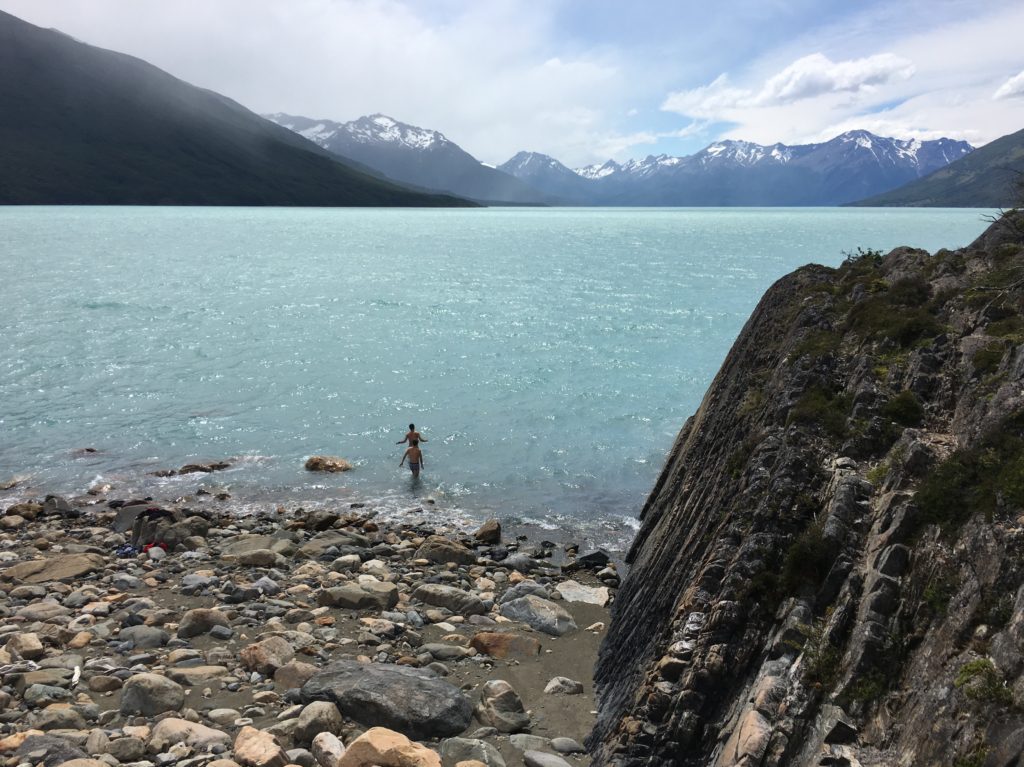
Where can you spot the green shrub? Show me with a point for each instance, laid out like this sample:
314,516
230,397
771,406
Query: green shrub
981,681
976,480
976,757
807,561
987,360
818,343
822,660
1010,327
905,409
821,407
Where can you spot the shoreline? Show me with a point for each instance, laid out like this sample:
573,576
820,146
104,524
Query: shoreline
111,643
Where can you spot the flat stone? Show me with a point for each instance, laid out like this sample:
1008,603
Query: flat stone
437,548
572,591
503,645
57,568
173,730
411,701
360,596
193,675
451,598
541,759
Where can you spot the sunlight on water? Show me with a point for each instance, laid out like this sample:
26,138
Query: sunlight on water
549,355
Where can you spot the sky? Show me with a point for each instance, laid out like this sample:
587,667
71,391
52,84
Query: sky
588,80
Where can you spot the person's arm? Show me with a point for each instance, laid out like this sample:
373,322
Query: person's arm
403,458
423,439
403,439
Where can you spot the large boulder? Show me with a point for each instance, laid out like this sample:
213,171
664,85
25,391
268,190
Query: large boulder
412,701
385,748
151,694
58,568
539,614
450,597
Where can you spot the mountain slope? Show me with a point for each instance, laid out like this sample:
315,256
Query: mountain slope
83,125
743,173
989,177
829,569
411,155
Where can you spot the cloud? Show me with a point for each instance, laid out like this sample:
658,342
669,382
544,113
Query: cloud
806,78
1012,88
816,75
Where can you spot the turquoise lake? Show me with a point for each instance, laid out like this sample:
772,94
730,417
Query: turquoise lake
549,356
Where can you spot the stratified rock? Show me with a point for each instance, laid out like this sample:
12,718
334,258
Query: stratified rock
540,614
327,463
318,716
199,621
501,708
386,748
58,568
172,730
505,645
437,548
151,694
450,597
456,750
267,656
255,748
749,741
411,701
489,532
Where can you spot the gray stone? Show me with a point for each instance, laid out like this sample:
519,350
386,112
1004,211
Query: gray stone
562,685
501,708
44,694
144,637
318,716
525,742
567,746
541,759
437,548
489,532
360,596
524,589
572,591
411,701
200,621
449,597
56,750
540,614
151,694
455,750
127,749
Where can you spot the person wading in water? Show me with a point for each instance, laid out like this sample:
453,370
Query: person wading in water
412,436
415,456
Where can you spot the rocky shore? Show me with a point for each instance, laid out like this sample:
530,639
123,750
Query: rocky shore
148,634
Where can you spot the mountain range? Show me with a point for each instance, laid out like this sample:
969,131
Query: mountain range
989,177
411,155
848,168
84,125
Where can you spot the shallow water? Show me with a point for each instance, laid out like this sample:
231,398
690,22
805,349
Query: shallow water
549,355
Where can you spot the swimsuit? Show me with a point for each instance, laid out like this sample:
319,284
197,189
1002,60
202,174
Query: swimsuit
414,465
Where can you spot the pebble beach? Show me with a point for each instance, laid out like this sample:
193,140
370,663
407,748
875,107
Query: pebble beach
151,632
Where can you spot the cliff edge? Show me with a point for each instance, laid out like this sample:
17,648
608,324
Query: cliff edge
829,569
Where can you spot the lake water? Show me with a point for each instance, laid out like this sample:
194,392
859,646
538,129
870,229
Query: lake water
549,356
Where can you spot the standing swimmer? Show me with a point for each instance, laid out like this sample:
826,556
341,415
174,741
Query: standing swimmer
412,436
415,456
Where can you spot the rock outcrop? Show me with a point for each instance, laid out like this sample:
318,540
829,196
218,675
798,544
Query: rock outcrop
830,566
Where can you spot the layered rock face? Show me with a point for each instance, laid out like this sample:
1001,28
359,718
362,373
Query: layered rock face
830,567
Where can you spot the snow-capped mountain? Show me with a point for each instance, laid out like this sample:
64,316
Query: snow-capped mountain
850,167
541,171
411,155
